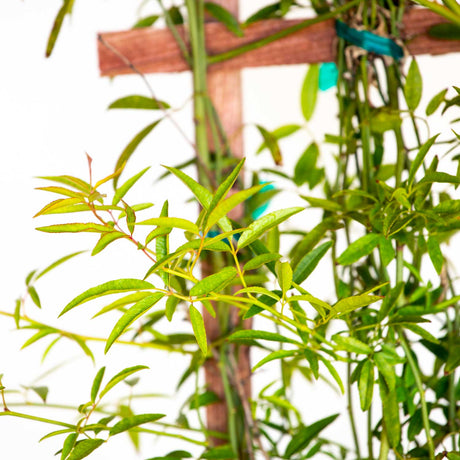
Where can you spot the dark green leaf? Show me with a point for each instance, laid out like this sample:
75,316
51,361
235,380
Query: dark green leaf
435,102
225,17
309,262
97,384
221,452
366,385
306,165
306,434
261,260
419,159
445,31
83,448
68,445
204,399
435,253
272,144
361,247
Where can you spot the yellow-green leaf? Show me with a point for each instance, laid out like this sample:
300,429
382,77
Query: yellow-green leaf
309,91
199,329
214,282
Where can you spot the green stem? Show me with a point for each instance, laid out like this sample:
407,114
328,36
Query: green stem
384,446
418,382
281,34
350,409
441,10
370,448
39,419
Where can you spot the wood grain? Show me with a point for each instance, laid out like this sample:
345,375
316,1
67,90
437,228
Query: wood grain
154,50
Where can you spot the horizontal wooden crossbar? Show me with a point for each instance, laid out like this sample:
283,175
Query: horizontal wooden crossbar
155,50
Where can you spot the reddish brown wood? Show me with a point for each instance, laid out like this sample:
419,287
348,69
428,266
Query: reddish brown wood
154,50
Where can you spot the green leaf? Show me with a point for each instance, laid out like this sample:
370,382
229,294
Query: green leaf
366,385
309,262
203,399
361,247
121,191
251,334
139,102
68,445
349,304
284,275
214,282
265,223
131,315
306,165
225,17
413,86
71,181
203,195
391,415
386,369
105,240
83,448
418,160
280,133
75,228
148,21
419,330
224,207
97,383
126,300
41,391
333,372
175,222
306,434
435,102
66,8
272,144
446,30
435,253
352,344
453,455
171,305
34,296
280,354
387,252
260,260
199,329
116,379
130,422
131,147
309,91
220,452
110,287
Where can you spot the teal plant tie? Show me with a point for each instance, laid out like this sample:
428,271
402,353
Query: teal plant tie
258,212
328,75
369,41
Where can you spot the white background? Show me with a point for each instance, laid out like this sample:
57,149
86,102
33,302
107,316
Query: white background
51,113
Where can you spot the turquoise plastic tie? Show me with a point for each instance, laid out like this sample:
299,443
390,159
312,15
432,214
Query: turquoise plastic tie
261,209
328,75
369,41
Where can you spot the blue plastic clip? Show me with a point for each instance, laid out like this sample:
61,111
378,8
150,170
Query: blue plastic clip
328,75
369,41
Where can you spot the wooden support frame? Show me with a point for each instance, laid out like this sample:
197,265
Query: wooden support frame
155,51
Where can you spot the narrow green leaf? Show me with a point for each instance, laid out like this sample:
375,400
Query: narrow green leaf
349,304
309,91
435,253
284,275
38,335
65,9
116,379
259,290
68,445
252,334
148,21
133,313
75,228
57,205
361,247
280,133
366,385
386,369
214,282
418,160
272,144
306,164
352,344
199,329
62,191
306,434
175,222
413,86
70,181
139,102
280,354
387,252
121,191
130,422
333,372
224,207
220,452
419,330
34,296
97,384
225,17
41,391
130,218
110,287
105,240
435,102
122,302
391,415
203,399
131,147
265,223
171,305
83,448
309,262
261,260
